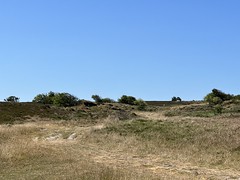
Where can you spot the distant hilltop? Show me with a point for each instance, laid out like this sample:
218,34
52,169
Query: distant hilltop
171,103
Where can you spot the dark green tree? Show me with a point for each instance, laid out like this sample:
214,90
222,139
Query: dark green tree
217,97
65,100
174,98
179,99
127,100
223,96
100,100
44,98
12,99
40,98
97,99
107,100
58,99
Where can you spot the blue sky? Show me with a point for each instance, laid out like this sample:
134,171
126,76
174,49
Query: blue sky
151,49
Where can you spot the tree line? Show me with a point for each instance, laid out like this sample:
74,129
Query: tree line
215,97
68,100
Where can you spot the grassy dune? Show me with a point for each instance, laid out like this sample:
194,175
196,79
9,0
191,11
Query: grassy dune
148,145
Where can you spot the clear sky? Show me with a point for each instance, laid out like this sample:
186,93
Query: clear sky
150,49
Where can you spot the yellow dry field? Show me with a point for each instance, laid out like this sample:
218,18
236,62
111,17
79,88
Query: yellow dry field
67,150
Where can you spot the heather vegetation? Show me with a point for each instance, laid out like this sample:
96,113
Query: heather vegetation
58,136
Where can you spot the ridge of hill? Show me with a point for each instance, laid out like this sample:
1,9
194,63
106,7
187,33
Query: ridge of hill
24,112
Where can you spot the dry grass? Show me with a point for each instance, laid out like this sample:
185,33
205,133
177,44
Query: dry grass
156,147
23,156
197,141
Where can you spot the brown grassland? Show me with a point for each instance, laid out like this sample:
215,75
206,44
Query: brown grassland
115,141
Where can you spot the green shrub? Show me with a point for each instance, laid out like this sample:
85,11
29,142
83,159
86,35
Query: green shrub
108,100
175,99
97,99
58,99
218,109
217,100
65,100
127,100
100,100
217,97
12,99
44,99
237,97
223,96
141,104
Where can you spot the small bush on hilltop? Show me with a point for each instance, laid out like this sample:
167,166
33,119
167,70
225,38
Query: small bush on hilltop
97,99
223,96
127,100
175,99
217,97
58,99
65,100
44,98
108,100
100,100
141,104
12,99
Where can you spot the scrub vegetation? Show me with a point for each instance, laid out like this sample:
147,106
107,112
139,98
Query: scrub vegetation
118,140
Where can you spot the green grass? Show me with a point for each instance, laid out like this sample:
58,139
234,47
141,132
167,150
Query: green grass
212,143
204,110
155,130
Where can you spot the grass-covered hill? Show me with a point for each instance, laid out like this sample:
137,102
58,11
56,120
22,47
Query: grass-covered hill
11,112
24,112
118,141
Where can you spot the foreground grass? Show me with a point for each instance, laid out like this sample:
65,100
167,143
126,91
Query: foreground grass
24,157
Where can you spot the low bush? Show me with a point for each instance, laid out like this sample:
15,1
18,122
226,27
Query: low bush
127,100
58,99
99,100
12,99
217,97
141,104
